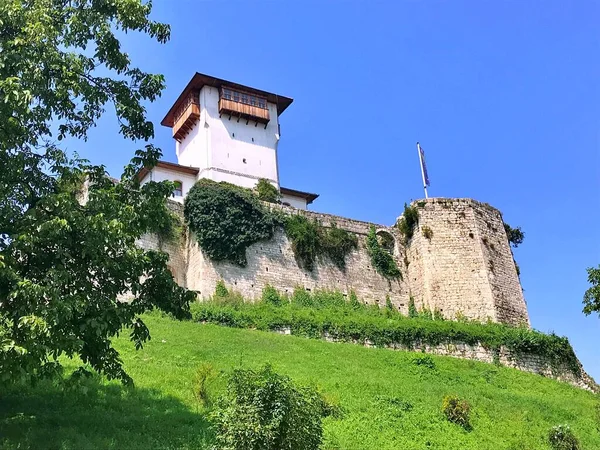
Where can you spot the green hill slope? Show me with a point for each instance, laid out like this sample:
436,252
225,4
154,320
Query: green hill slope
389,401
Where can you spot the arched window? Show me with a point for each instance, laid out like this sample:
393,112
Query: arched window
386,240
178,191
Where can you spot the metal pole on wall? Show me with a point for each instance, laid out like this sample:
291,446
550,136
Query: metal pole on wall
422,162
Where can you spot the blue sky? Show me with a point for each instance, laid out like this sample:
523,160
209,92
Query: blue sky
503,96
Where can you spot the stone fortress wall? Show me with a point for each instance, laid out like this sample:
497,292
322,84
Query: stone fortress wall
464,267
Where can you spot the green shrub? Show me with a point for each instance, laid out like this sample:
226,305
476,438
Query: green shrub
408,221
382,260
412,309
310,240
205,374
329,313
457,410
561,437
264,410
301,298
221,290
267,192
354,303
424,361
226,219
271,296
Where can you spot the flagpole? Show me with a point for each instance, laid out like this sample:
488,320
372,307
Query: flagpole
422,171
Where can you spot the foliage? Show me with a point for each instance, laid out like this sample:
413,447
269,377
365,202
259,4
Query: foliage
221,290
515,235
310,240
267,192
169,227
408,221
265,410
412,309
424,361
457,410
65,264
226,219
304,235
561,437
427,232
382,260
591,298
517,408
271,296
204,376
326,313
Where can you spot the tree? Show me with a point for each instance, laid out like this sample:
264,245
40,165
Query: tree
267,192
65,265
591,298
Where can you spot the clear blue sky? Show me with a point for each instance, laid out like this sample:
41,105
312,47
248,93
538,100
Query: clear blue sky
503,96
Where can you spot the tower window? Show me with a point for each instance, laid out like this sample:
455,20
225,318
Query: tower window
242,97
178,191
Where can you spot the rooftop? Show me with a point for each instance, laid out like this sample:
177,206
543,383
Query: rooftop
199,80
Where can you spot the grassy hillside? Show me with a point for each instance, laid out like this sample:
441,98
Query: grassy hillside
511,409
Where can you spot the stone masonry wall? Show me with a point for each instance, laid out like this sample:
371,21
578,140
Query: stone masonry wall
464,268
272,262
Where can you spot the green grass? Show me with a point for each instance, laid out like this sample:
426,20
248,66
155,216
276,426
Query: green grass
510,409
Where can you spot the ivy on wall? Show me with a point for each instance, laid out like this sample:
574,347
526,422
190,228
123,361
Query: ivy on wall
311,240
226,219
382,260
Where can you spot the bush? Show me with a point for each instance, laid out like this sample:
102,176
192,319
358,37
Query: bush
226,219
408,221
271,296
264,410
328,313
301,298
220,289
457,410
561,437
267,192
427,232
382,260
424,361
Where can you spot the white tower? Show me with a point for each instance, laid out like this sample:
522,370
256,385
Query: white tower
228,131
225,132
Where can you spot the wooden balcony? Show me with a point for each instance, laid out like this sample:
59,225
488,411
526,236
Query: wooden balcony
244,111
187,117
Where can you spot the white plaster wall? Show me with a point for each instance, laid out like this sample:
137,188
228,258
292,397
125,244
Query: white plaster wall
296,202
230,150
162,174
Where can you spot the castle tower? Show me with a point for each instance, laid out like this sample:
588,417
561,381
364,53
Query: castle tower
225,131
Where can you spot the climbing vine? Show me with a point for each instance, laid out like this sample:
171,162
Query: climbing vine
226,219
311,240
382,260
